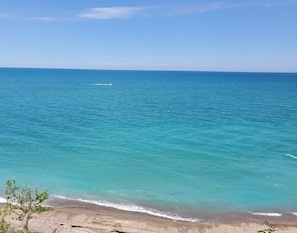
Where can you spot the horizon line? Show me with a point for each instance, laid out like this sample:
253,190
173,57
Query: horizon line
154,70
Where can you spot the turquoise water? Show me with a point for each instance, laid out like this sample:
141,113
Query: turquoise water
173,143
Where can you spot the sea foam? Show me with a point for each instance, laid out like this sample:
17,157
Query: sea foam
268,214
291,156
132,208
2,200
101,84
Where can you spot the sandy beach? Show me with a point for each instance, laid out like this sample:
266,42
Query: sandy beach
75,217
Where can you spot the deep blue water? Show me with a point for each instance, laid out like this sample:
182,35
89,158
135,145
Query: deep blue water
172,142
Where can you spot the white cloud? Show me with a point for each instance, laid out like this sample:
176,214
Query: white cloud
43,18
6,16
199,8
173,9
19,17
202,8
280,3
111,12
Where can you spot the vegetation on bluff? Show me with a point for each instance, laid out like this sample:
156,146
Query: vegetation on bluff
21,203
270,228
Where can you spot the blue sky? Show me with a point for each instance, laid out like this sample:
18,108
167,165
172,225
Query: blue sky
213,35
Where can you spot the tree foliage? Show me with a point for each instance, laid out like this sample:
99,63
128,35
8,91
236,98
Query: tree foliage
22,201
271,228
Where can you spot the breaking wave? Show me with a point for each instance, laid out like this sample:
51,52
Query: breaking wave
291,156
132,208
101,84
268,214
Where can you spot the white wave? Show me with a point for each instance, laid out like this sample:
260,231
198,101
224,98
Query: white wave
295,213
292,156
268,214
102,84
2,200
133,208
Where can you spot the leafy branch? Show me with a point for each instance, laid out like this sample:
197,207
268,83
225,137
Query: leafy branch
22,201
271,228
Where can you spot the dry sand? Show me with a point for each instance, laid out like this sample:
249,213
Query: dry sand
69,217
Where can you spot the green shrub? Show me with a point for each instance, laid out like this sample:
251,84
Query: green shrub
271,228
22,201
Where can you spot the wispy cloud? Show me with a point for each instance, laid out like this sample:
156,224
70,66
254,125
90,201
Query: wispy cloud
111,12
121,12
6,16
44,18
200,8
280,3
215,6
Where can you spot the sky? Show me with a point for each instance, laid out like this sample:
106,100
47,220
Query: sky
213,35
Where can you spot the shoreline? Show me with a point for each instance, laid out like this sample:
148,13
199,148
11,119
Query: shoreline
202,217
75,216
